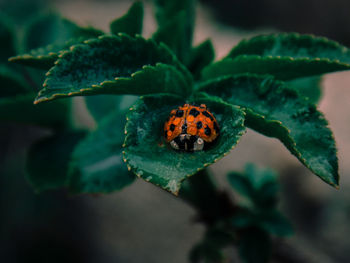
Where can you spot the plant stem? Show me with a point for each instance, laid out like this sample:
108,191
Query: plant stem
212,204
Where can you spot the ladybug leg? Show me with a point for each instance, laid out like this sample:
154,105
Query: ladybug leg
198,144
174,145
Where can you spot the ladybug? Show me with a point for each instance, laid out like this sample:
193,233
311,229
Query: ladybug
190,128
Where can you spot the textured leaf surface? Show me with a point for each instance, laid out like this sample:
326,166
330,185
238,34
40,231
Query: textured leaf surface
151,158
131,23
97,164
278,112
47,36
201,56
21,109
292,45
115,65
283,68
48,159
176,23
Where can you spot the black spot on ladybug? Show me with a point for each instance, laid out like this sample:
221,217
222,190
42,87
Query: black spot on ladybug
207,131
216,127
172,127
179,113
184,128
199,125
194,112
206,114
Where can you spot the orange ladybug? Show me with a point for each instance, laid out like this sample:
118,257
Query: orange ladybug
190,128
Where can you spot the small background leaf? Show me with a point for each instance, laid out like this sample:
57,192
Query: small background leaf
47,35
97,164
176,25
131,23
48,160
201,56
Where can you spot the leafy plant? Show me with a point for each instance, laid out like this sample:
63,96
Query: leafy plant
267,83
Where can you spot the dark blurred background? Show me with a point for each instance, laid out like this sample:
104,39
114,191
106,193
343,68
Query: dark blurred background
145,224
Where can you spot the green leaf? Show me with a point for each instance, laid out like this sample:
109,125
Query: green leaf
102,105
201,56
131,22
254,246
292,45
241,184
151,158
275,223
310,88
21,109
7,39
47,163
276,111
54,29
176,25
283,68
11,83
243,218
115,65
97,164
285,56
47,36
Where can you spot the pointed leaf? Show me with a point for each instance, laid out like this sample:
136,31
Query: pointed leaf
97,164
292,45
241,184
276,111
115,65
176,23
201,56
151,158
47,36
283,68
131,22
48,159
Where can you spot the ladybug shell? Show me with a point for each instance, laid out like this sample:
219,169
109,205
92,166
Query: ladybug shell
191,120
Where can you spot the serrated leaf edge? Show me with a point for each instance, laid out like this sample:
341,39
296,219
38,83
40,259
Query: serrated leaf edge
135,170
